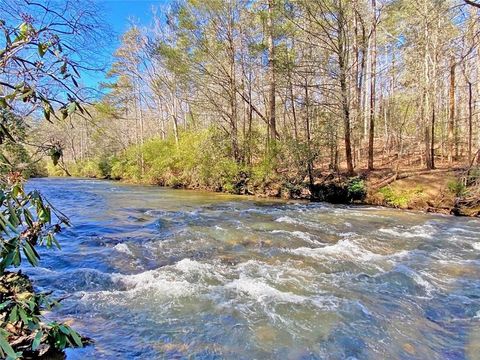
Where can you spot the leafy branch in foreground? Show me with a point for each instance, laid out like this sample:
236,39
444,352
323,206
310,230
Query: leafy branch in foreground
41,45
27,221
23,334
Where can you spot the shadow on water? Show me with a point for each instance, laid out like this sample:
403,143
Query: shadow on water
156,273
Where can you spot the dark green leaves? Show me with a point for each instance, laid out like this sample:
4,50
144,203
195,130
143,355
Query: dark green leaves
37,340
26,220
76,338
21,314
5,347
31,253
63,336
55,153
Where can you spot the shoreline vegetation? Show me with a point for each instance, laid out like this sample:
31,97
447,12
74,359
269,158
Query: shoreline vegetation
445,191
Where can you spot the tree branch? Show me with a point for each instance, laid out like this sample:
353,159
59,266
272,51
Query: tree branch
472,3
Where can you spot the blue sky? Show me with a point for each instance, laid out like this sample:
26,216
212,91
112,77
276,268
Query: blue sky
119,14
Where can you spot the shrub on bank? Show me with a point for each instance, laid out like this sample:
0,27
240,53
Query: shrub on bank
357,189
204,159
54,170
194,162
401,198
457,188
86,168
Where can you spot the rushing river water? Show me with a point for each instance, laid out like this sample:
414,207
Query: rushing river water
152,273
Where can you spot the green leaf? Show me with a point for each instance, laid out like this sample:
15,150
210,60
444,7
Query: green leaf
60,341
13,218
27,93
28,217
9,224
76,338
23,28
50,240
22,32
16,257
45,214
16,190
23,315
30,253
37,340
5,304
64,113
3,225
71,108
8,260
46,114
7,349
42,49
64,329
55,241
13,318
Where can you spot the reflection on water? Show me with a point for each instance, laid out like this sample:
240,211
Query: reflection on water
156,273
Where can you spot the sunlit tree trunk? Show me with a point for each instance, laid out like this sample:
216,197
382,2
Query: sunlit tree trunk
343,67
371,136
451,122
271,73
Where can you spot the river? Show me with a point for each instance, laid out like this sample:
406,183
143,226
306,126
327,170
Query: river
153,273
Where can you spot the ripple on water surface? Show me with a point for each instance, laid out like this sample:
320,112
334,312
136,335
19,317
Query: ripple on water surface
156,273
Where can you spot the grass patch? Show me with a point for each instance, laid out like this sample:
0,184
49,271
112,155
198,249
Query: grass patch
401,198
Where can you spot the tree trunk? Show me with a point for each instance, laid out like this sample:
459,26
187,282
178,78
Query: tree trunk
451,122
371,135
233,93
307,125
271,73
427,91
432,139
174,117
294,111
343,64
470,121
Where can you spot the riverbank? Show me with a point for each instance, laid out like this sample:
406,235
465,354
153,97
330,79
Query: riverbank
439,191
436,191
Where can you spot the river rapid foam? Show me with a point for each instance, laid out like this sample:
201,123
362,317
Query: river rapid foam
152,273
